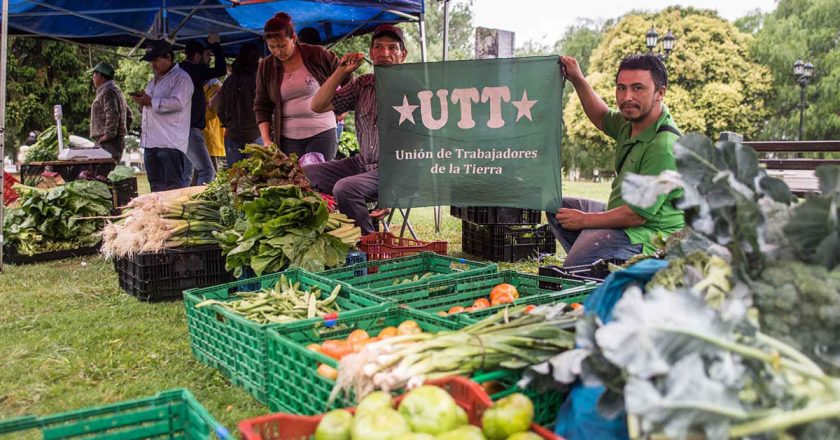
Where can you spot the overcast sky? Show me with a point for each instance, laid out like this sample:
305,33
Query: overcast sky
545,20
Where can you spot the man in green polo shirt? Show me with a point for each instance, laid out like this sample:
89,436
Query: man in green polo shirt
645,134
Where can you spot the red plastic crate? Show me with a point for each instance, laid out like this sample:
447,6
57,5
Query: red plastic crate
384,245
9,193
281,426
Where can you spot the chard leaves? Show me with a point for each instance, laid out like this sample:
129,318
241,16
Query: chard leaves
814,226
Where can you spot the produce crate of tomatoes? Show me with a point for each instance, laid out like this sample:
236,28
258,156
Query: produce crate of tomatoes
452,408
470,299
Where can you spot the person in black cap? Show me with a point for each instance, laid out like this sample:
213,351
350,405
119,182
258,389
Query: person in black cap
355,181
166,118
110,116
200,73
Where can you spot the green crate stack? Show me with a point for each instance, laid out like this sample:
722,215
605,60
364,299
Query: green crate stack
294,385
238,346
546,403
442,295
383,276
170,414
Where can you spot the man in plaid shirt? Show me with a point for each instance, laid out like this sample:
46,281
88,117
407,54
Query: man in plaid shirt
355,180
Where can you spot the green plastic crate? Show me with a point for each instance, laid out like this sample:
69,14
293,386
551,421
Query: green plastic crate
173,414
546,403
380,274
237,346
294,385
442,295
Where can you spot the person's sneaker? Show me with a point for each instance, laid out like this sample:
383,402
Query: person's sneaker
380,213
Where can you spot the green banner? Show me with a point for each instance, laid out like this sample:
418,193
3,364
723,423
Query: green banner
470,133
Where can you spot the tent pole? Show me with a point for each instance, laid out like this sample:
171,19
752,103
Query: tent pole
4,46
422,24
445,57
423,58
445,30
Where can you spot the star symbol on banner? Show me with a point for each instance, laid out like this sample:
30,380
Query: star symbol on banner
406,111
523,106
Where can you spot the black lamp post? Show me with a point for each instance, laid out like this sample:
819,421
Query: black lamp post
802,73
651,38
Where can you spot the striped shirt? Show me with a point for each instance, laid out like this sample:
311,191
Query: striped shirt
360,96
166,124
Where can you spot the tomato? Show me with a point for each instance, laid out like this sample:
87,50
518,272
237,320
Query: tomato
336,349
577,306
456,309
481,303
314,347
409,328
504,288
388,332
327,371
502,298
357,335
528,308
470,309
442,313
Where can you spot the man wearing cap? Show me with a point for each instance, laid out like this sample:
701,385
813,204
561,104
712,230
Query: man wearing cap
200,72
355,181
110,117
166,118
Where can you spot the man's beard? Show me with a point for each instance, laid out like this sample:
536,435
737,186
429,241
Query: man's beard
639,118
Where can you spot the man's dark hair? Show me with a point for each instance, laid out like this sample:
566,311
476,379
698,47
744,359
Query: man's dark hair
648,62
309,35
247,60
193,47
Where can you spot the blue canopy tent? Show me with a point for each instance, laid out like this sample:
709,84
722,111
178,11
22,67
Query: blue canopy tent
130,23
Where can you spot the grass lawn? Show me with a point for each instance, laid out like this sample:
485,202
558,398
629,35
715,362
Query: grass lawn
71,338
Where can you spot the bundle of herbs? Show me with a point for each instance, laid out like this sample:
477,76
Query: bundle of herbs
736,337
167,219
286,226
57,219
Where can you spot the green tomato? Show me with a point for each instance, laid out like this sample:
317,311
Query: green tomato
508,416
525,436
373,402
417,436
430,409
335,425
385,424
466,432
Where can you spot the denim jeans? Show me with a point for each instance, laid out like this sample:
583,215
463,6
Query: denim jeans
199,158
323,142
586,246
164,168
351,184
232,149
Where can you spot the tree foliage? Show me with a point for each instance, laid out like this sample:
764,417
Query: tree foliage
41,74
807,30
713,85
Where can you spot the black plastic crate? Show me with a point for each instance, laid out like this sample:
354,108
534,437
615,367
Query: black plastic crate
507,242
123,191
158,276
486,215
11,255
596,271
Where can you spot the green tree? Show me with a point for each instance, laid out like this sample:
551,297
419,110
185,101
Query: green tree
41,74
579,41
461,32
807,30
713,85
